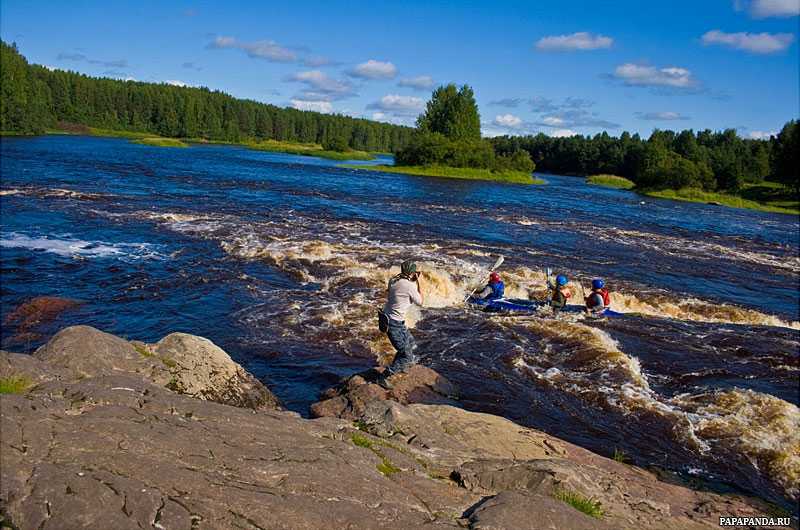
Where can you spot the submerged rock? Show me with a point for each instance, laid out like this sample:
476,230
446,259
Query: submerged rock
29,317
98,440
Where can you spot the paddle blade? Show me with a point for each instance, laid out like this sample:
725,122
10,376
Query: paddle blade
497,263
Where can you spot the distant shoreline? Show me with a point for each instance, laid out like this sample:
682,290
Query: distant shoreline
763,197
766,196
292,148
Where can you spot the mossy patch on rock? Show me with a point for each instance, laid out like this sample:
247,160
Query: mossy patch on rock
387,468
581,503
16,384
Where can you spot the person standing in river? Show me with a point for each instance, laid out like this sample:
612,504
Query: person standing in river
403,292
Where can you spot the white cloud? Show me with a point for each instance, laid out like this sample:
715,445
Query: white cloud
762,135
176,82
553,121
321,87
771,8
316,106
751,42
263,49
507,120
661,116
422,82
641,75
562,133
397,120
580,41
373,69
575,117
396,104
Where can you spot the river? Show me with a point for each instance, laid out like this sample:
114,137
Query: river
282,260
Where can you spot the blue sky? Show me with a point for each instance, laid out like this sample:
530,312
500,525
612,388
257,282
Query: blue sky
552,66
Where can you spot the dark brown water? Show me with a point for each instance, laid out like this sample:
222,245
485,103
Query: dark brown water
281,260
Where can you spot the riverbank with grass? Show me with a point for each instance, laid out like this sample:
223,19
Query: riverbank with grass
764,197
161,142
610,181
511,177
305,149
292,148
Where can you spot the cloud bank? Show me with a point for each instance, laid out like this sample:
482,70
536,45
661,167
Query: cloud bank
761,43
769,8
580,41
398,105
264,49
661,116
373,69
641,75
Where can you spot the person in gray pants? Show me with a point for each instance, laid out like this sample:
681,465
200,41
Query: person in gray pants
403,292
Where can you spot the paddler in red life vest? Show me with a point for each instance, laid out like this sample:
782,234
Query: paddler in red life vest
494,289
599,299
561,293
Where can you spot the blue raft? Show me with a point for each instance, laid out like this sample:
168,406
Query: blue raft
531,307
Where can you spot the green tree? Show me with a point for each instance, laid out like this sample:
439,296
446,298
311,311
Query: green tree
453,113
786,162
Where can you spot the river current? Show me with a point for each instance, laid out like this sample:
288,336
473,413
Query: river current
282,261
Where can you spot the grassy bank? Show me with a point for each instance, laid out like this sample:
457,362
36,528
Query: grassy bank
610,181
293,148
161,142
764,197
305,149
513,177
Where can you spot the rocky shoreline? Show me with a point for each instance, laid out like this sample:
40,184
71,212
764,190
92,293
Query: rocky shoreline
107,433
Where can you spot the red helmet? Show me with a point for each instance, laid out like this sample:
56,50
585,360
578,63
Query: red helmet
494,277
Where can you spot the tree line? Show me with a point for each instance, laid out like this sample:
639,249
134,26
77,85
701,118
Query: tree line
704,159
34,98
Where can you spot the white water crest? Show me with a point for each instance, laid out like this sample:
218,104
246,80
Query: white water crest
64,245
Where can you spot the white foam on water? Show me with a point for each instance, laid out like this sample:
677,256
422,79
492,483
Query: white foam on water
58,193
65,245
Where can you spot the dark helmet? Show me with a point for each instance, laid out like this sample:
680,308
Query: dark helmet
597,283
408,267
494,277
561,279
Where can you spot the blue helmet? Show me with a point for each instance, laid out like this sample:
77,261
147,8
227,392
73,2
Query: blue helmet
561,279
597,283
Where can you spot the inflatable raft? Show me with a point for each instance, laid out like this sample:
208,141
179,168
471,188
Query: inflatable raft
531,307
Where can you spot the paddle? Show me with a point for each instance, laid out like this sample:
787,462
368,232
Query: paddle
496,264
547,273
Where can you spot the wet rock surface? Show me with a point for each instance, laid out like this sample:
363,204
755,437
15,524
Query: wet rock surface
101,439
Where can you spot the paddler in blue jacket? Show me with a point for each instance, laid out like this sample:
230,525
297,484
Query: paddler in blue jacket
561,292
494,289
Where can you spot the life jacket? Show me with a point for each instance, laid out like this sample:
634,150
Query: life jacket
498,289
602,296
559,298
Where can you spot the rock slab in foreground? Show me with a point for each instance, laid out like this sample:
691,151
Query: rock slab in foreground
520,473
100,441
